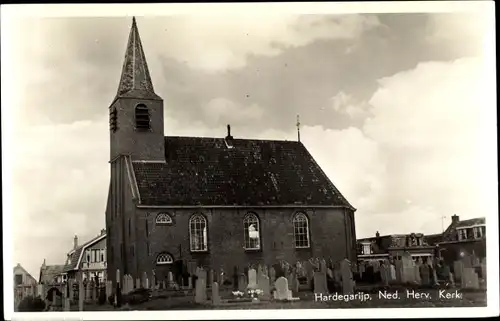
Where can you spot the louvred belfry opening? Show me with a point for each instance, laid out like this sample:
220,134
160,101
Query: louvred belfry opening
113,122
142,117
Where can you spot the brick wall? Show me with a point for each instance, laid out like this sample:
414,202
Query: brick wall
330,236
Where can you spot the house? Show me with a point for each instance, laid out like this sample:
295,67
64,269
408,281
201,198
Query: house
461,238
175,203
380,248
88,258
24,284
51,274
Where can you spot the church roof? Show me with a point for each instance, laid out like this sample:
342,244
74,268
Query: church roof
49,272
206,172
135,80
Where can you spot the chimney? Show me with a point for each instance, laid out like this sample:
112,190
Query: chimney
75,242
44,264
229,137
377,235
455,219
103,231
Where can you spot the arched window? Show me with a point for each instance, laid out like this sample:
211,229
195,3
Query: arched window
301,230
251,231
163,218
198,233
142,117
164,258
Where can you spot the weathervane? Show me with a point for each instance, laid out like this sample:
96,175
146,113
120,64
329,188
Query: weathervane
298,128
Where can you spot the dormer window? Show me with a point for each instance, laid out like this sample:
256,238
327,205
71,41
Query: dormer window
113,122
142,117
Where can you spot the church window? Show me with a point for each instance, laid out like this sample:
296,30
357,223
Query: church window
163,218
198,233
252,232
164,258
142,117
301,230
113,122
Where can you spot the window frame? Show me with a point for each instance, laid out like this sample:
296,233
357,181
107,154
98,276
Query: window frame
295,221
202,217
246,232
170,220
164,262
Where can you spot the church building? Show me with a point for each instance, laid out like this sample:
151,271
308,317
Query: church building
175,203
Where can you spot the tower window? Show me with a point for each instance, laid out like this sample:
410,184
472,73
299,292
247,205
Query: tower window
142,117
113,122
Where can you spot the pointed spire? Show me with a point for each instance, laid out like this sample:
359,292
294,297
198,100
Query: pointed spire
135,73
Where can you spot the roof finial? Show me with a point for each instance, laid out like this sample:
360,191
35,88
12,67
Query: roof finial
229,132
298,128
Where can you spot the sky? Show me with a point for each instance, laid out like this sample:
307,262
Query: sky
394,107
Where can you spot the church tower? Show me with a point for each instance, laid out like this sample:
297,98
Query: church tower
136,113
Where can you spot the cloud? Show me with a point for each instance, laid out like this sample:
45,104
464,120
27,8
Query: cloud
223,42
345,104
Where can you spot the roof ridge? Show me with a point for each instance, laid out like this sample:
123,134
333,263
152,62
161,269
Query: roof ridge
237,139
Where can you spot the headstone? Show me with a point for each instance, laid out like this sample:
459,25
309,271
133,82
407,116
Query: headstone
211,279
346,273
469,279
144,280
435,280
190,282
201,287
320,285
272,275
458,267
242,283
153,281
282,289
417,277
215,294
392,272
483,270
399,271
252,279
451,279
322,265
408,269
385,274
80,291
264,285
425,274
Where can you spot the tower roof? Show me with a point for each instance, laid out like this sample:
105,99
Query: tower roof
135,80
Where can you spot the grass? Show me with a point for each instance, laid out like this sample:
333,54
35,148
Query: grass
307,301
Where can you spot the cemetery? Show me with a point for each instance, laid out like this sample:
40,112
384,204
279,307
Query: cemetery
315,283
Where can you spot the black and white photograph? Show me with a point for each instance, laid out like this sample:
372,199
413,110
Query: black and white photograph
272,160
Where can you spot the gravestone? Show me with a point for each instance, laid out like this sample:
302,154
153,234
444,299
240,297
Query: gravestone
425,274
399,271
408,269
417,277
264,285
201,286
451,279
81,290
153,281
435,280
469,279
252,279
392,272
236,279
483,270
385,274
215,294
282,292
144,280
346,273
458,267
211,279
190,282
272,275
320,285
242,283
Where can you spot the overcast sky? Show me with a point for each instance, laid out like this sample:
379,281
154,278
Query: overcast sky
392,106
